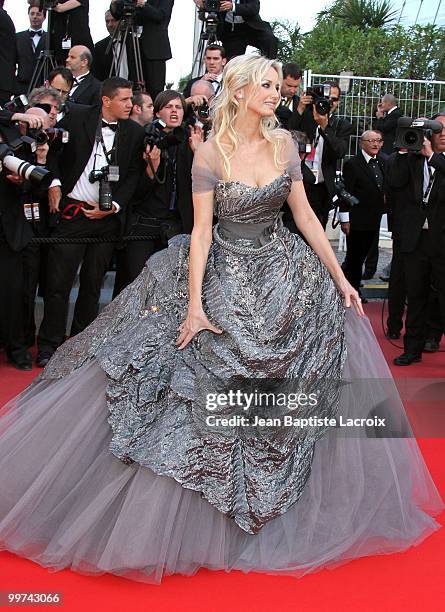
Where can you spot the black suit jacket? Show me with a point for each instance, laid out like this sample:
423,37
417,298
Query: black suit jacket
88,92
285,115
7,53
155,18
103,60
249,10
69,161
75,24
27,58
388,126
360,181
336,141
405,180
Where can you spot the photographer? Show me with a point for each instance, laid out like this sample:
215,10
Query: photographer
417,183
142,111
48,99
97,172
154,17
70,27
162,206
289,97
23,215
30,43
198,106
387,115
364,178
241,25
330,138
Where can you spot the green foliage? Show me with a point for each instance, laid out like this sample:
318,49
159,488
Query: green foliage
360,14
416,52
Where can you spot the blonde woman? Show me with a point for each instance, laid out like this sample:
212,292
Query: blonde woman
145,451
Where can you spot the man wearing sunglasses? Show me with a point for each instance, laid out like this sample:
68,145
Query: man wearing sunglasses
47,99
329,135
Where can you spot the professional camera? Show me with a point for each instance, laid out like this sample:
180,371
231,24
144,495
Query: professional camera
411,133
105,176
343,197
203,111
123,9
211,6
49,135
48,5
18,104
320,97
156,137
28,172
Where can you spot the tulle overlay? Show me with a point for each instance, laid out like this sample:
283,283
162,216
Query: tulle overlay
103,467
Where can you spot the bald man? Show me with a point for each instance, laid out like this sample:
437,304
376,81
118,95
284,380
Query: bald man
86,88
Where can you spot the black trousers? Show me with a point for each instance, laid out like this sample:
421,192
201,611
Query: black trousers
372,259
424,267
154,75
358,244
320,201
12,321
131,260
396,290
62,266
236,40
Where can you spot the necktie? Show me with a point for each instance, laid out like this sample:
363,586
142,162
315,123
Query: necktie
33,33
377,172
112,126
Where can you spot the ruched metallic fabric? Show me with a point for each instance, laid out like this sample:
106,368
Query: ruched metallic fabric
282,318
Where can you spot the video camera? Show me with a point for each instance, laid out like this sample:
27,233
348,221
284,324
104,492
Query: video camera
155,136
105,176
320,97
123,9
411,133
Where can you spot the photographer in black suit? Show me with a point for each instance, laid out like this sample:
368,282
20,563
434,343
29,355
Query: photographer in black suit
289,98
70,28
363,176
241,25
214,61
8,56
418,183
30,43
23,215
154,17
162,206
388,113
101,138
330,137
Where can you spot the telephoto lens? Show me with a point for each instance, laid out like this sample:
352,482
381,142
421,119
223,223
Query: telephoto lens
28,172
105,196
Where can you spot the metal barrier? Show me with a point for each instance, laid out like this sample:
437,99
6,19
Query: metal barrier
360,96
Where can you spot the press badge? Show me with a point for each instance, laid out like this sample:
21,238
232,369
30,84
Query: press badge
32,212
113,174
66,43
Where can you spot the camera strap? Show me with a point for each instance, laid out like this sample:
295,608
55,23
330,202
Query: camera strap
110,155
427,191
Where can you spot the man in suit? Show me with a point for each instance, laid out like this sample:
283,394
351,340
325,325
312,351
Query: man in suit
70,28
289,98
86,88
364,178
329,135
30,43
418,180
103,137
241,25
388,113
142,111
23,215
105,51
214,61
7,56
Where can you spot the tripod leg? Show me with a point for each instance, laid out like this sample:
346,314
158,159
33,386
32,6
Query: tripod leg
140,82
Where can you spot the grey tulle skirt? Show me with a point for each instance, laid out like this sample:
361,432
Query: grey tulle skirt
67,502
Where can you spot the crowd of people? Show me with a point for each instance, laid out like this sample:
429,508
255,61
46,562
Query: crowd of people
126,123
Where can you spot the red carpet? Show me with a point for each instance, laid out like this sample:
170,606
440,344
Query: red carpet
408,581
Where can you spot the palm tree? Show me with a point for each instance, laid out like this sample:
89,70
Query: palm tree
361,14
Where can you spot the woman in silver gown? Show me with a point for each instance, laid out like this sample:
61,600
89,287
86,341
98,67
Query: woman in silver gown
108,462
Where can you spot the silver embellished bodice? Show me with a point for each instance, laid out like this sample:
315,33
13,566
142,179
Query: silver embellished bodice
282,321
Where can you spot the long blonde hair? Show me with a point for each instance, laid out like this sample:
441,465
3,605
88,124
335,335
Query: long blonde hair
240,72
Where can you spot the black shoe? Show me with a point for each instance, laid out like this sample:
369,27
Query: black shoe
21,362
406,359
42,358
393,335
385,279
431,346
368,275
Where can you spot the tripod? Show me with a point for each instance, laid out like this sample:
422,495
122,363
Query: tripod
208,36
118,46
46,62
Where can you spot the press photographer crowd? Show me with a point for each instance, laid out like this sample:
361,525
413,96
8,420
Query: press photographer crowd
96,159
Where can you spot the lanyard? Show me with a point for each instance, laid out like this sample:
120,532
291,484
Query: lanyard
111,154
427,192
